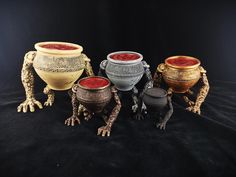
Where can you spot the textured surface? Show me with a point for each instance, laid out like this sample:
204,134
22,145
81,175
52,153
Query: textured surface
39,144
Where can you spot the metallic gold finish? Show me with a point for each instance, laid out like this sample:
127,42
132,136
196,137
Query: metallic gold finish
59,69
201,95
181,79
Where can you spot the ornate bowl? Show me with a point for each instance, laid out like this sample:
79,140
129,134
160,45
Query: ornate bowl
59,64
124,69
180,72
94,93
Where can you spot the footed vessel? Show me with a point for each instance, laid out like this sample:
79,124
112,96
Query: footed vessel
158,102
181,73
58,64
94,93
124,69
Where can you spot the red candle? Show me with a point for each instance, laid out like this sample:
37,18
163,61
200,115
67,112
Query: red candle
125,56
94,82
182,61
58,46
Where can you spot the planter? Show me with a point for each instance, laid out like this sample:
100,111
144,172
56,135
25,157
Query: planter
59,64
180,72
94,93
124,69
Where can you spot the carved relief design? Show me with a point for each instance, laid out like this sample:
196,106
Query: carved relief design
124,70
58,64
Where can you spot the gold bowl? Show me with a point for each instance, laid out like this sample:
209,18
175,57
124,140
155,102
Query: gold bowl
180,72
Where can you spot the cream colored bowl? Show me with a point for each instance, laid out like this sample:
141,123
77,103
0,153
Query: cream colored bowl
59,64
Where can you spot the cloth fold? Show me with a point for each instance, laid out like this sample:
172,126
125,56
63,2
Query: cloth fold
39,144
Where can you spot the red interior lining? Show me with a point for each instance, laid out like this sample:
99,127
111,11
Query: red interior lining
58,46
182,61
94,82
125,56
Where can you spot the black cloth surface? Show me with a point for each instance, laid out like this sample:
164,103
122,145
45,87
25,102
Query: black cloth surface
40,145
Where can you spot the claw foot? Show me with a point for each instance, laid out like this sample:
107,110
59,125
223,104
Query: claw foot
48,103
104,131
87,115
138,116
161,125
135,108
72,120
29,103
194,109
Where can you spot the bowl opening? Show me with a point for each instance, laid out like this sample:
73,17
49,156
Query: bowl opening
182,61
59,48
56,46
94,82
125,57
156,92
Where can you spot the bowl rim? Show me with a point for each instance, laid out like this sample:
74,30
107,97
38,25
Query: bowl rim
99,88
124,62
183,67
162,96
78,51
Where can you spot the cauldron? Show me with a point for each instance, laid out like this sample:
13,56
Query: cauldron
158,102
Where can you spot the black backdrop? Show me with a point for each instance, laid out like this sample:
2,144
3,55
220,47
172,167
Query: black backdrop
40,145
205,30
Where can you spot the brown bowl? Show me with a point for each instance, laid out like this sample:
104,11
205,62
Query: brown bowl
94,93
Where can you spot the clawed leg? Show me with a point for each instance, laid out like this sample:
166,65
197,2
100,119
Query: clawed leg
51,96
105,116
195,107
162,123
137,107
76,111
191,105
27,79
106,130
